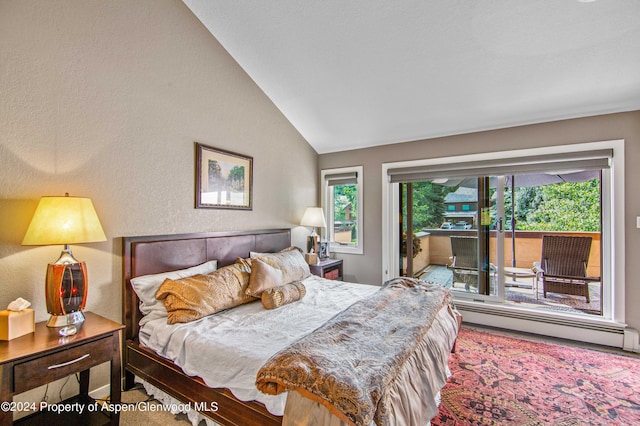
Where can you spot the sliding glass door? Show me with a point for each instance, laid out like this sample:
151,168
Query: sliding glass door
482,235
453,221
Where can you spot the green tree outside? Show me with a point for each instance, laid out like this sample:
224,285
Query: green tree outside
567,206
346,208
428,205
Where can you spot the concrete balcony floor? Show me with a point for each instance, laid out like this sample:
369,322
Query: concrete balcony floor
521,292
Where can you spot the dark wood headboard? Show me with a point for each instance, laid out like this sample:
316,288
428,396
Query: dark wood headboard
155,254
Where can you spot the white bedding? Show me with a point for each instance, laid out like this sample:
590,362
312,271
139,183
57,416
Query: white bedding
227,349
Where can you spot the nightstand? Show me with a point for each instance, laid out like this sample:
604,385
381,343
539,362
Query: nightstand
41,357
330,269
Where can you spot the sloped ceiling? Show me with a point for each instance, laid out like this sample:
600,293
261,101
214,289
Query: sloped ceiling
358,73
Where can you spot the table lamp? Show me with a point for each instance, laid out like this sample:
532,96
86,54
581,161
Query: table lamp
65,220
314,217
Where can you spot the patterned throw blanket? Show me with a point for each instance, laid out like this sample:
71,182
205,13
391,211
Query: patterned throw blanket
350,363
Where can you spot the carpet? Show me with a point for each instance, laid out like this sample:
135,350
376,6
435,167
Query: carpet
147,411
499,380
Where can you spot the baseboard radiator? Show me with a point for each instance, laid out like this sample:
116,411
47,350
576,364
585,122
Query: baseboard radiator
631,340
613,335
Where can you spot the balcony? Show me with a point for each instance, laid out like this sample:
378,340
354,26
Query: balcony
521,288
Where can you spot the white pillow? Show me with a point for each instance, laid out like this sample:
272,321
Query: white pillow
146,287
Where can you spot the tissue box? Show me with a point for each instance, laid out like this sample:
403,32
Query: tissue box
15,324
311,258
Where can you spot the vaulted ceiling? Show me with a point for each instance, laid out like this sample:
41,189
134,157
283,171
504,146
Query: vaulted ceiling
356,73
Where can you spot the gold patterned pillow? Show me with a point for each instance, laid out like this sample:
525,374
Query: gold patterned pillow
245,263
290,261
191,298
282,295
263,277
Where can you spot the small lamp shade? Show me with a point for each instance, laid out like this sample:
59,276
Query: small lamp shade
65,220
313,216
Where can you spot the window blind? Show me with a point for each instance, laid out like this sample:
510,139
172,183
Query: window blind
549,163
349,178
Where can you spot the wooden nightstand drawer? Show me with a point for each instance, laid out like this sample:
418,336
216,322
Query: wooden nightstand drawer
63,363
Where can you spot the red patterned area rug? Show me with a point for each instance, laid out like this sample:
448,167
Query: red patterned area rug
498,380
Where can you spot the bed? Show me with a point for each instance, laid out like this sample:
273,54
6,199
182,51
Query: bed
148,255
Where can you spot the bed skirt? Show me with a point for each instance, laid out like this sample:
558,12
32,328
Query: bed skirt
304,412
409,407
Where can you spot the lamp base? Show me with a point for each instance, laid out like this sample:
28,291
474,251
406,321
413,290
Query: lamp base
312,242
66,290
64,320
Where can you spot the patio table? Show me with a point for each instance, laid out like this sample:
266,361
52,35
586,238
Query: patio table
516,273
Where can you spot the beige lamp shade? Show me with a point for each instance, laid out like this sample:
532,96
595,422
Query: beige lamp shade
313,216
64,220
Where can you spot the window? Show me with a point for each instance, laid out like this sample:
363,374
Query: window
341,200
495,210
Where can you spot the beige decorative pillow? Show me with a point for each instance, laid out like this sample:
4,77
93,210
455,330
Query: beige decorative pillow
191,298
146,287
290,261
279,296
263,277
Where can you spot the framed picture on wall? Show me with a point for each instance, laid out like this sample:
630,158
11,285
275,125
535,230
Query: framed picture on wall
224,179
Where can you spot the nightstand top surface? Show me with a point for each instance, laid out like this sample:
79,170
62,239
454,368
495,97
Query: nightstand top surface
329,261
45,338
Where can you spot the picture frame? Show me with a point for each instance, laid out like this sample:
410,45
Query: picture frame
224,179
323,251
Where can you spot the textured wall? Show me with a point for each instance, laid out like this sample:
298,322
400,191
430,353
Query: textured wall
105,99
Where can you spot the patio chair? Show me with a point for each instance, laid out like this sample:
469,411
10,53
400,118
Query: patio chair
563,265
464,261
